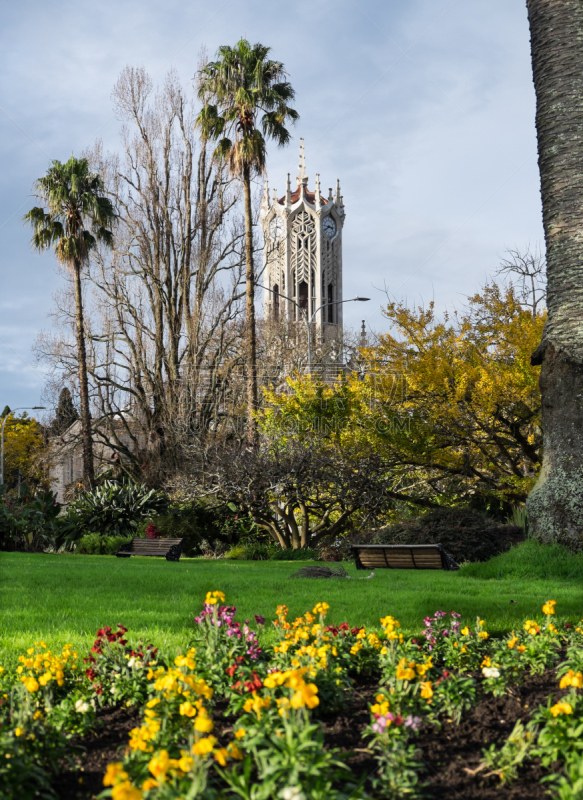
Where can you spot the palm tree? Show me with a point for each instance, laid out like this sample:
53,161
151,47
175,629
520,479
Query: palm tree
75,218
555,506
245,97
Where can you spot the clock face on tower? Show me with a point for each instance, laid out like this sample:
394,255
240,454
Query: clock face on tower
329,226
276,228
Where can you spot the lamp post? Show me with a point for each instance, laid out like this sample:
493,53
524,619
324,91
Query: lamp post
20,408
311,320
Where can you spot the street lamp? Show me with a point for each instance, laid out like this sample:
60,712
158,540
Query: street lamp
311,320
20,408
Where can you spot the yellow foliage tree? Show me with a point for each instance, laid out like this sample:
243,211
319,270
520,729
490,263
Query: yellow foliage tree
452,405
23,443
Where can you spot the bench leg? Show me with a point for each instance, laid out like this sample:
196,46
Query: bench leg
174,553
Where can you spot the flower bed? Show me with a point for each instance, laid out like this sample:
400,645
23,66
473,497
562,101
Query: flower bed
325,712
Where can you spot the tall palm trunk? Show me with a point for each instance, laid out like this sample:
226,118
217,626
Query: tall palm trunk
250,343
88,471
555,506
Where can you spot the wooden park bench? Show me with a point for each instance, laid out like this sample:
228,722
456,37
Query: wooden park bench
171,549
402,556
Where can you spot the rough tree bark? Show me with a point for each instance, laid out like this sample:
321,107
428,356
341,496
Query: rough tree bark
251,347
88,469
555,506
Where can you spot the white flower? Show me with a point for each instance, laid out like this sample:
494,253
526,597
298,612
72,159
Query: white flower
292,793
491,672
81,706
131,662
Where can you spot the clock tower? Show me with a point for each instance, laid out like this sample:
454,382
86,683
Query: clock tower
303,252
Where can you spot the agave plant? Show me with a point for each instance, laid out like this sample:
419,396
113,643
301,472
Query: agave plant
115,508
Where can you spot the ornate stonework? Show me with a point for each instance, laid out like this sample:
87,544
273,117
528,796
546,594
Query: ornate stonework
303,251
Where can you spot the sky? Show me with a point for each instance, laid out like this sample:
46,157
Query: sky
423,108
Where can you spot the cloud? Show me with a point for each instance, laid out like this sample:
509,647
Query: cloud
423,108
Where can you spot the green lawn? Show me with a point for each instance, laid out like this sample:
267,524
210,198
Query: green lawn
66,598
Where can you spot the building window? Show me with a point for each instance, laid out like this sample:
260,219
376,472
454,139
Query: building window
330,301
276,301
303,291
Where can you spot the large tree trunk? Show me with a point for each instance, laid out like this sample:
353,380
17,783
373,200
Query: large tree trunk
555,506
251,355
88,470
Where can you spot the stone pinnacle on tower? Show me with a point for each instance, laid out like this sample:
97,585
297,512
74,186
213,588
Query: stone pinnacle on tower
302,177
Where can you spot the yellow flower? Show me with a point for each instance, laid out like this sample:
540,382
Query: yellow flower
153,702
465,631
114,774
561,708
306,695
18,731
221,756
204,746
426,690
31,684
187,710
239,733
185,763
125,791
571,679
531,627
549,607
321,608
404,672
149,783
521,648
159,765
203,723
511,642
214,597
234,752
483,634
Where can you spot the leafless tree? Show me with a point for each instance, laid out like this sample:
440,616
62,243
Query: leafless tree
163,309
528,270
299,494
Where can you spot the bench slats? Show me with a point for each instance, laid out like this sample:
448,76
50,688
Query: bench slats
395,556
171,549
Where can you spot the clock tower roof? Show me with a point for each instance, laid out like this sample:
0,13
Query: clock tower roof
310,197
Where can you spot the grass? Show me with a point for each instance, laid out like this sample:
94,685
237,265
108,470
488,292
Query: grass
66,598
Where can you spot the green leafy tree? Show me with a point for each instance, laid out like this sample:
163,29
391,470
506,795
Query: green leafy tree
23,443
66,413
246,98
76,217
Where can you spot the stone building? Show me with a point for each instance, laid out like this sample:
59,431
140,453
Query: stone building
303,253
66,452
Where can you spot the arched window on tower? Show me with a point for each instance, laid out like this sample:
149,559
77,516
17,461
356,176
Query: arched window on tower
276,301
330,301
303,292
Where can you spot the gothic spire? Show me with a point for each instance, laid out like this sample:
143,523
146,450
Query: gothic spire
302,177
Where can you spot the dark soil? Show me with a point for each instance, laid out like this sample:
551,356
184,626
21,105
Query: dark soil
451,754
93,753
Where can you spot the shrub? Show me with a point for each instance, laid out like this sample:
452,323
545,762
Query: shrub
208,529
467,534
115,508
96,545
30,522
295,555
